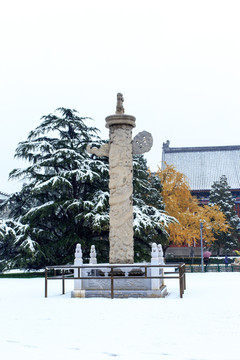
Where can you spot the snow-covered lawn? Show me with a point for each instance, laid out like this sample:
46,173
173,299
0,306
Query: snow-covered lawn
204,325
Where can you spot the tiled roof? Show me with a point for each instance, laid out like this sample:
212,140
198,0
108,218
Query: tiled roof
204,165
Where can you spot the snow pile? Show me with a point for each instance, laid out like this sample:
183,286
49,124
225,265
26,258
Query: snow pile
204,325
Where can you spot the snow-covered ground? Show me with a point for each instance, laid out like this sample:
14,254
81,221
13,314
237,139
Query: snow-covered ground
204,325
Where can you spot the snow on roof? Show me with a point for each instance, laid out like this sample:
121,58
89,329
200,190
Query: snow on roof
204,165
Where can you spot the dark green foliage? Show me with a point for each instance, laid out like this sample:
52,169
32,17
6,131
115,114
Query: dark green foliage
62,196
221,195
16,246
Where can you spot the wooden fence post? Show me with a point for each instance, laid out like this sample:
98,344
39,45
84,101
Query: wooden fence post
112,288
63,283
46,289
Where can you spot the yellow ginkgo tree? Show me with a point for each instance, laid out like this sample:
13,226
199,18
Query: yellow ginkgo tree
180,204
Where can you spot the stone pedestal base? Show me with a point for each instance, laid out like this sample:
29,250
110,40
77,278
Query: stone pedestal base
121,294
99,282
78,294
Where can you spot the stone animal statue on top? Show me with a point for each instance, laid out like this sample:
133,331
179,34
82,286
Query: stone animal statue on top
120,100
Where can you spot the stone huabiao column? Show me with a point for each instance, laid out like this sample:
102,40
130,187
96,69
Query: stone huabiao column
120,186
120,149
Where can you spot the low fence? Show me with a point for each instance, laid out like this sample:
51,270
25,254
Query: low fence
64,273
212,268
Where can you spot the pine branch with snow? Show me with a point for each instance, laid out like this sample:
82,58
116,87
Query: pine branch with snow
221,195
60,179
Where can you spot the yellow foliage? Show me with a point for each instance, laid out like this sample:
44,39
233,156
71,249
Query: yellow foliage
180,204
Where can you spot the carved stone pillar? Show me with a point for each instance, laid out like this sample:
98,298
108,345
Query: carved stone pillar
121,188
120,150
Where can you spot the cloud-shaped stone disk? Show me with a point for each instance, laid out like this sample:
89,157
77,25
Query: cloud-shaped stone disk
142,143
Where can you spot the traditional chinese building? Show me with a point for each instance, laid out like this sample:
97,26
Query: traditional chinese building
204,165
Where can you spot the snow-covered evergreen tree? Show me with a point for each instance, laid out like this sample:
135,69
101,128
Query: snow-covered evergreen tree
65,199
150,219
16,247
221,195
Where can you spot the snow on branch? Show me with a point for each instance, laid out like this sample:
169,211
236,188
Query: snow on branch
53,182
35,209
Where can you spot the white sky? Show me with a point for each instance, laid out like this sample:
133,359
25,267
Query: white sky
176,63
